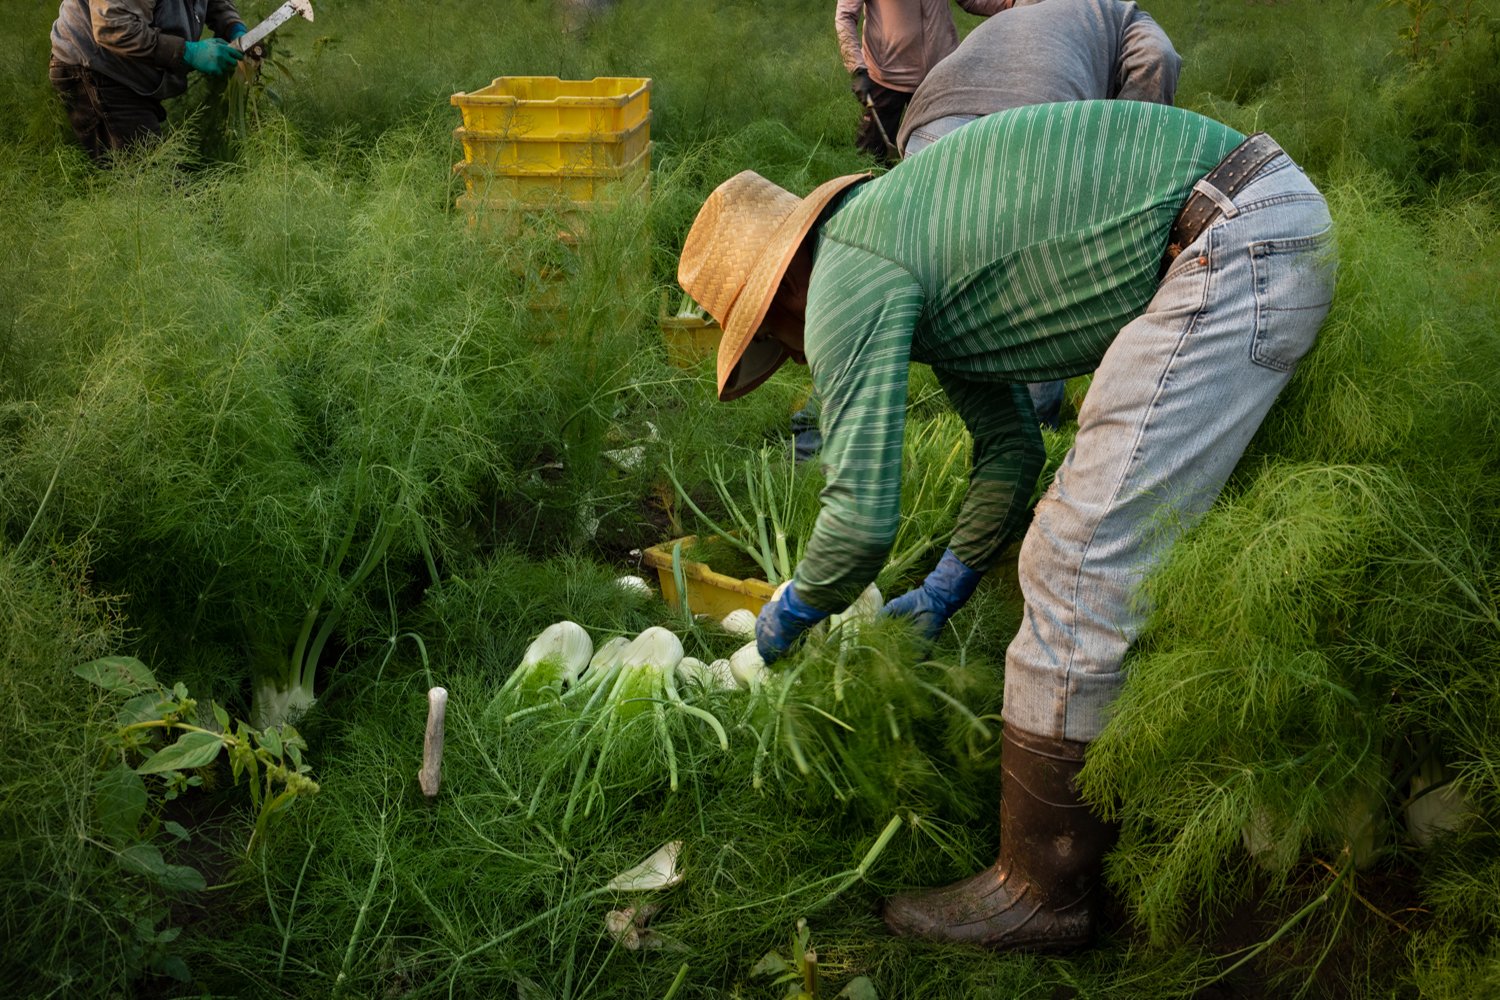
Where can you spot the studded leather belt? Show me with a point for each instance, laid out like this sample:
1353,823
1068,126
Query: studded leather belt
1232,173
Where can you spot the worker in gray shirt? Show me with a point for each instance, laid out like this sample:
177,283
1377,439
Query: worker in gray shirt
1042,52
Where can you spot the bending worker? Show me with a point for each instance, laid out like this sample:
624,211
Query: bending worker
901,40
115,61
1187,266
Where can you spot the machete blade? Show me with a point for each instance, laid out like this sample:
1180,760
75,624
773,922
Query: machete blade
278,17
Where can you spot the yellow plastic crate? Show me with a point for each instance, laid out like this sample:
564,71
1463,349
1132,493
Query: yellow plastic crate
690,334
542,106
687,346
708,592
567,153
506,217
580,185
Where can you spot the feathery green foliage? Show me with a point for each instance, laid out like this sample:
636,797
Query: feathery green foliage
311,428
1331,609
67,912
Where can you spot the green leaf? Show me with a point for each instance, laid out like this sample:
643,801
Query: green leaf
145,859
177,830
120,674
859,988
141,708
142,859
770,964
222,716
174,966
252,773
271,740
192,750
119,802
182,878
280,802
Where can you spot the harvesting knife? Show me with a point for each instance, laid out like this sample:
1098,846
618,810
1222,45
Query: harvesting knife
890,147
278,17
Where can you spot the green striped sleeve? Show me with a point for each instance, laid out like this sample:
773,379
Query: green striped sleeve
1008,458
866,307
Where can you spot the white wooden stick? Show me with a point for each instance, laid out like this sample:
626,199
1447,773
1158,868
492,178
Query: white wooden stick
431,774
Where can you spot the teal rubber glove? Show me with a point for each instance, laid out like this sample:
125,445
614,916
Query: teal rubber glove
213,56
945,590
236,30
781,621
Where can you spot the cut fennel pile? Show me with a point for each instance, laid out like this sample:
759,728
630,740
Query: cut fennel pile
619,716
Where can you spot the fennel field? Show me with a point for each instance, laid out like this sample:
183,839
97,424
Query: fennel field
283,438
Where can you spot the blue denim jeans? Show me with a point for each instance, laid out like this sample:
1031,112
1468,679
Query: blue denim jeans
925,135
1173,404
807,437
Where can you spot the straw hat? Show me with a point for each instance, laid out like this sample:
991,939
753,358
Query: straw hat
732,263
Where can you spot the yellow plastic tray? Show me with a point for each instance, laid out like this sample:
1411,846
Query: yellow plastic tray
607,183
539,106
568,219
507,217
554,154
708,593
689,339
688,346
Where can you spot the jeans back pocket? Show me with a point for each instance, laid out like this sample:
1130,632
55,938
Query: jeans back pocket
1293,290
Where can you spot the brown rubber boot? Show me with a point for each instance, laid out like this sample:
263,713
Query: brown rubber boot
1042,894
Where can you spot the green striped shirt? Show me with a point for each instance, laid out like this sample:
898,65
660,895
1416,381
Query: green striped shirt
1011,251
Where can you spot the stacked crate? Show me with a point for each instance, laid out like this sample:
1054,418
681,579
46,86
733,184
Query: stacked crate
541,155
690,334
539,146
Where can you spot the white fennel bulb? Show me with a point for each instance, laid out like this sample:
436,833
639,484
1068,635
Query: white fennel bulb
739,622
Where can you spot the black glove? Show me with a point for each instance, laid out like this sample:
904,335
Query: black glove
863,86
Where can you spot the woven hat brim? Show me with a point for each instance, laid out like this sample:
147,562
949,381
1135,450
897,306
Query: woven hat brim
754,300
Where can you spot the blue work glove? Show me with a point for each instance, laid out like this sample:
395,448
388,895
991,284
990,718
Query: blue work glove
781,621
944,591
213,56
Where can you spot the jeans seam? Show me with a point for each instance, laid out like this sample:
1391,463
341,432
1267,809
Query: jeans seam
1260,254
1116,488
1280,199
1224,220
1274,165
1268,248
